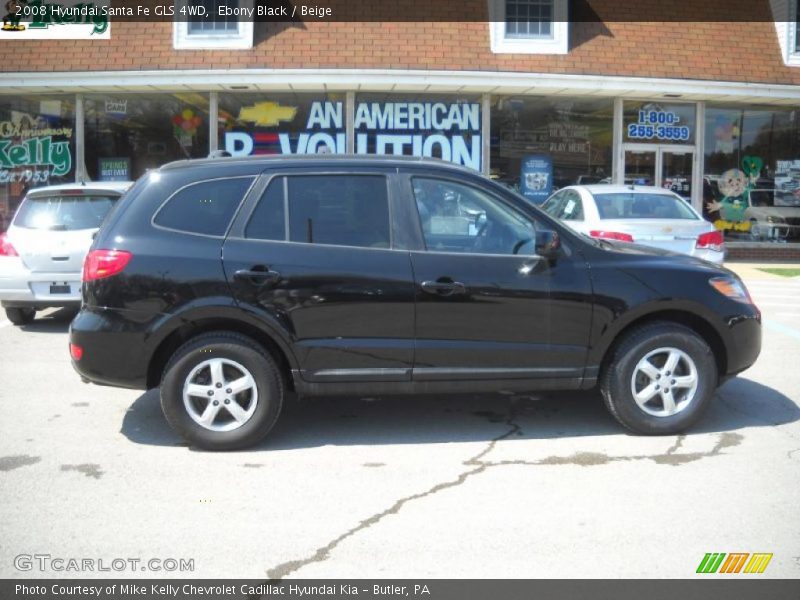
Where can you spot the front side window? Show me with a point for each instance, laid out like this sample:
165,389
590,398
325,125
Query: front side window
340,210
461,218
642,206
205,207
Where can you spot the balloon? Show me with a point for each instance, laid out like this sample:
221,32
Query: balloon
196,121
186,125
187,114
176,120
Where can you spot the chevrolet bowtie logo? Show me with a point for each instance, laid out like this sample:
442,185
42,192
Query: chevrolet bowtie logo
267,114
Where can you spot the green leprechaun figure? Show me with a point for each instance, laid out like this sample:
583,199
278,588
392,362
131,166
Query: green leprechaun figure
11,22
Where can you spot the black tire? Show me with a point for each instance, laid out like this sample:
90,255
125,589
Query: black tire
20,316
616,379
231,347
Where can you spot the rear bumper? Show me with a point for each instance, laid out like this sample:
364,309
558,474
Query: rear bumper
20,287
113,349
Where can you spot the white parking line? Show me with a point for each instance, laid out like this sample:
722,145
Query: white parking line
4,324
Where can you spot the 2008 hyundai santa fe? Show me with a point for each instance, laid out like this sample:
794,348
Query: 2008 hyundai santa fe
228,282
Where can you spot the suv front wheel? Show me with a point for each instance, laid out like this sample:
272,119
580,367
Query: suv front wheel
221,391
660,379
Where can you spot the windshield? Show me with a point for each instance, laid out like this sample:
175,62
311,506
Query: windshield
638,205
64,213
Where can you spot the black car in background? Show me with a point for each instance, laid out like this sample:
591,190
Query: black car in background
228,282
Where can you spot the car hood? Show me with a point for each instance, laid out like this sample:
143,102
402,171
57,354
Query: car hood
660,255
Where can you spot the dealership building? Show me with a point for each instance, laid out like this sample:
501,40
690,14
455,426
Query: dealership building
530,95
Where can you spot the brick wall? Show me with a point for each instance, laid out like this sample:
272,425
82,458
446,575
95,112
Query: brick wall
763,252
727,51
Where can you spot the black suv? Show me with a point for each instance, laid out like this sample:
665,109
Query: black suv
229,282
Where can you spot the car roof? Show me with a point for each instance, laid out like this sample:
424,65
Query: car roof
319,160
89,186
605,188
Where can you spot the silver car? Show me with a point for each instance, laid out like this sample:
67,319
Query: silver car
650,216
41,254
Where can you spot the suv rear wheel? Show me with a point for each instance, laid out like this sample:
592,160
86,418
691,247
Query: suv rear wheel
221,391
20,316
660,380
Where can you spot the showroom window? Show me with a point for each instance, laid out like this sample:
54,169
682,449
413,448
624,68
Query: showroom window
126,134
441,126
212,24
752,161
529,26
281,123
659,123
540,144
37,138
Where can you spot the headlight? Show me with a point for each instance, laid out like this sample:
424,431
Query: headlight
732,288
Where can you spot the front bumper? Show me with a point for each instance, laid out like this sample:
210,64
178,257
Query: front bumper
743,341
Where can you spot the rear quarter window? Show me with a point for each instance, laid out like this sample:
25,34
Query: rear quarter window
205,207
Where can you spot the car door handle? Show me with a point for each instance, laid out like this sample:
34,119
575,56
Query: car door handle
258,275
443,287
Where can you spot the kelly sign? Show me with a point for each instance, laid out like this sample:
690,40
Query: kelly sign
32,153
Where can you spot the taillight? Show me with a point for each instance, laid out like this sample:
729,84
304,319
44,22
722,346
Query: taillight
76,352
104,263
6,249
612,235
713,240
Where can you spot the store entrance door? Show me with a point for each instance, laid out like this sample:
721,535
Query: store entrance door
668,166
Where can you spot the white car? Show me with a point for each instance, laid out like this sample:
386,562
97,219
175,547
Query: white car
650,216
41,254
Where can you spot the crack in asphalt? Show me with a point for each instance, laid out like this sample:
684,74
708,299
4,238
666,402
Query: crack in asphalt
478,466
678,443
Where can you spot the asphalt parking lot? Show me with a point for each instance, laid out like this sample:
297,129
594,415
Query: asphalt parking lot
503,486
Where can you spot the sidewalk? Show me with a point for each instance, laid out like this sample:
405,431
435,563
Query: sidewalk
751,270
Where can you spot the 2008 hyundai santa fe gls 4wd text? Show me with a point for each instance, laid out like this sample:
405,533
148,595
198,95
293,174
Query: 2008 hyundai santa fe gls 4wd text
229,282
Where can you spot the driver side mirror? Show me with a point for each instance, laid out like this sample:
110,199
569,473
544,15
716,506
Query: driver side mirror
548,243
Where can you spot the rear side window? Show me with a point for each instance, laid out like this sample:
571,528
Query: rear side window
64,213
268,221
342,210
205,207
